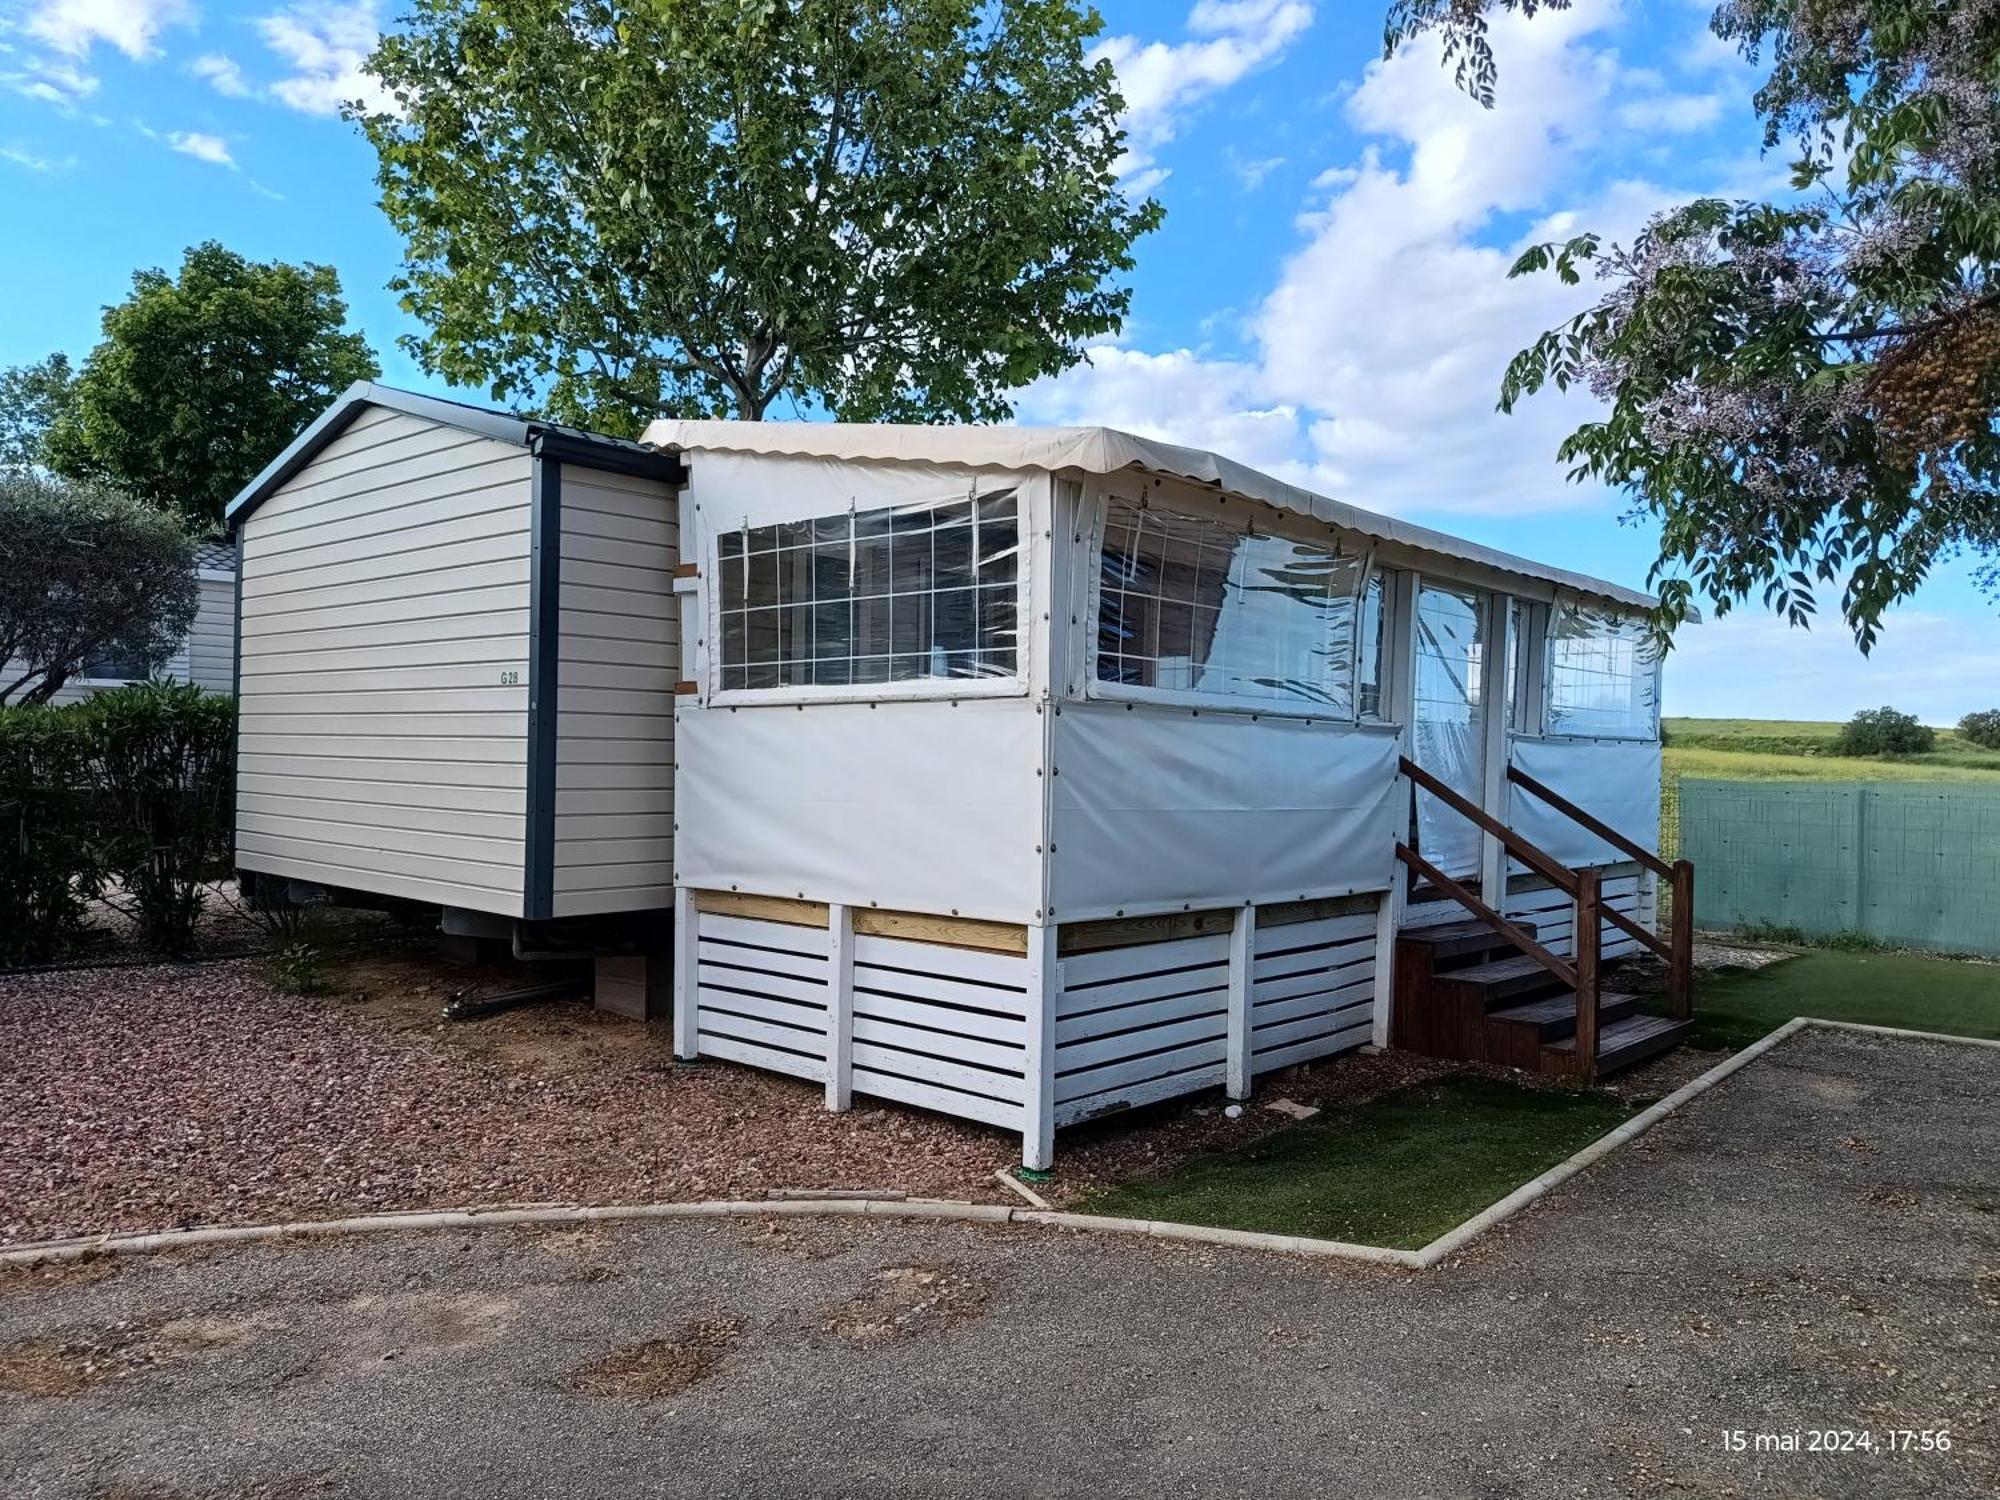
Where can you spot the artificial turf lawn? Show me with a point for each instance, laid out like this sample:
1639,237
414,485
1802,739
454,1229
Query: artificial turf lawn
1734,1007
1397,1171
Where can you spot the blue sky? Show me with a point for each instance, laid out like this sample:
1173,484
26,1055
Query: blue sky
1327,299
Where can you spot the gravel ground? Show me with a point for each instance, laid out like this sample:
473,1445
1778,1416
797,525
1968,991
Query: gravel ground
1814,1246
160,1097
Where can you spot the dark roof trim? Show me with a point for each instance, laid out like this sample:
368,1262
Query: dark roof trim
568,444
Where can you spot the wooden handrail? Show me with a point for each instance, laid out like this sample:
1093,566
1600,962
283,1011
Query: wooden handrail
1603,830
1487,914
1542,864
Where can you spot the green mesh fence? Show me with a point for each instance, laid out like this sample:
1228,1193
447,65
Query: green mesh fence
1915,865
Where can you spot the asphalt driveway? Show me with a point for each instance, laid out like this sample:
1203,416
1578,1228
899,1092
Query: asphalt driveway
1814,1247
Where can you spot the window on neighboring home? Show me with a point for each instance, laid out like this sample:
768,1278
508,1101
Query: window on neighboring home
892,595
114,668
1603,673
1191,606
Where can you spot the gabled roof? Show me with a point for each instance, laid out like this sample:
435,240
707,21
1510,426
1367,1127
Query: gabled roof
570,444
1103,450
215,554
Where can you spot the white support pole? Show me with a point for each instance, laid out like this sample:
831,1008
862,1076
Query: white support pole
840,1008
1242,970
1493,754
687,934
1038,1125
1388,922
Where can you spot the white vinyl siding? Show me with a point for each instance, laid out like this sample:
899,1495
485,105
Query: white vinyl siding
211,643
619,659
384,714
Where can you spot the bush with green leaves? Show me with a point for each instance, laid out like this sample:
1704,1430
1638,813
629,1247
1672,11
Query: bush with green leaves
1981,729
126,797
49,872
160,759
1886,731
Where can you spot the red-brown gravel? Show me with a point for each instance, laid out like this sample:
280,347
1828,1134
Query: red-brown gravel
151,1098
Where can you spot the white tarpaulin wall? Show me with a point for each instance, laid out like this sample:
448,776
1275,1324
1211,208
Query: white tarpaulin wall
1615,781
1156,809
921,806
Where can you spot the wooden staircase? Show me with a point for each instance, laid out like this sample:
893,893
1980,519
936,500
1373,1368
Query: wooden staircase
1487,990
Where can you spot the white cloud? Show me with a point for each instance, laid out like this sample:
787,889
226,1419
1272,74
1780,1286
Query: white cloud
202,147
1163,81
1672,114
1252,173
1751,664
72,27
1379,349
224,74
32,161
51,80
324,42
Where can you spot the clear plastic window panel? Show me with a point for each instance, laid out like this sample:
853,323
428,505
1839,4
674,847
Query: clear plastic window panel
892,595
1450,722
1604,673
1194,607
1373,675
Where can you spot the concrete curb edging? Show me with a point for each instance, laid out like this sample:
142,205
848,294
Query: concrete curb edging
1445,1245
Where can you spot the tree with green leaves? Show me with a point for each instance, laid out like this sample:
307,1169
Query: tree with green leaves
201,380
882,209
1802,392
93,575
32,398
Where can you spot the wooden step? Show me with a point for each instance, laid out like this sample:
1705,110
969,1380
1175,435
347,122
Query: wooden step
1517,978
1555,1015
1456,940
1622,1045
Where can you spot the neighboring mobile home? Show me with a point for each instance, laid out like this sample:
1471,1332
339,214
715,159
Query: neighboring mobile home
1022,774
207,655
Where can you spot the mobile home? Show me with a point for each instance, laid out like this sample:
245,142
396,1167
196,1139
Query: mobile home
1023,774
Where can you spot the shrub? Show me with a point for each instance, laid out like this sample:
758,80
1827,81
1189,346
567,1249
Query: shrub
160,758
49,871
1885,731
1981,729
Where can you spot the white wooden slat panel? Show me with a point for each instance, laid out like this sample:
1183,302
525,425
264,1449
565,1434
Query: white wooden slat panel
1319,1003
1104,1022
759,1019
1010,1030
986,1111
873,979
1315,934
1278,965
1146,987
1343,1041
999,971
776,986
1083,969
1133,1096
950,1046
936,1070
1205,1024
1319,979
1270,1038
784,936
1197,1059
732,1049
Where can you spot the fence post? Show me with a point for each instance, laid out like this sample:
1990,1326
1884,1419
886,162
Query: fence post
1861,858
1038,1110
1242,958
1681,964
840,1007
1589,938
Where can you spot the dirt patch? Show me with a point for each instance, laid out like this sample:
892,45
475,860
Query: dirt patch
56,1275
905,1301
70,1364
658,1368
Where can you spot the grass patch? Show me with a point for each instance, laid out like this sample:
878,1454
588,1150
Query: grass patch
1396,1171
1803,750
1735,1007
